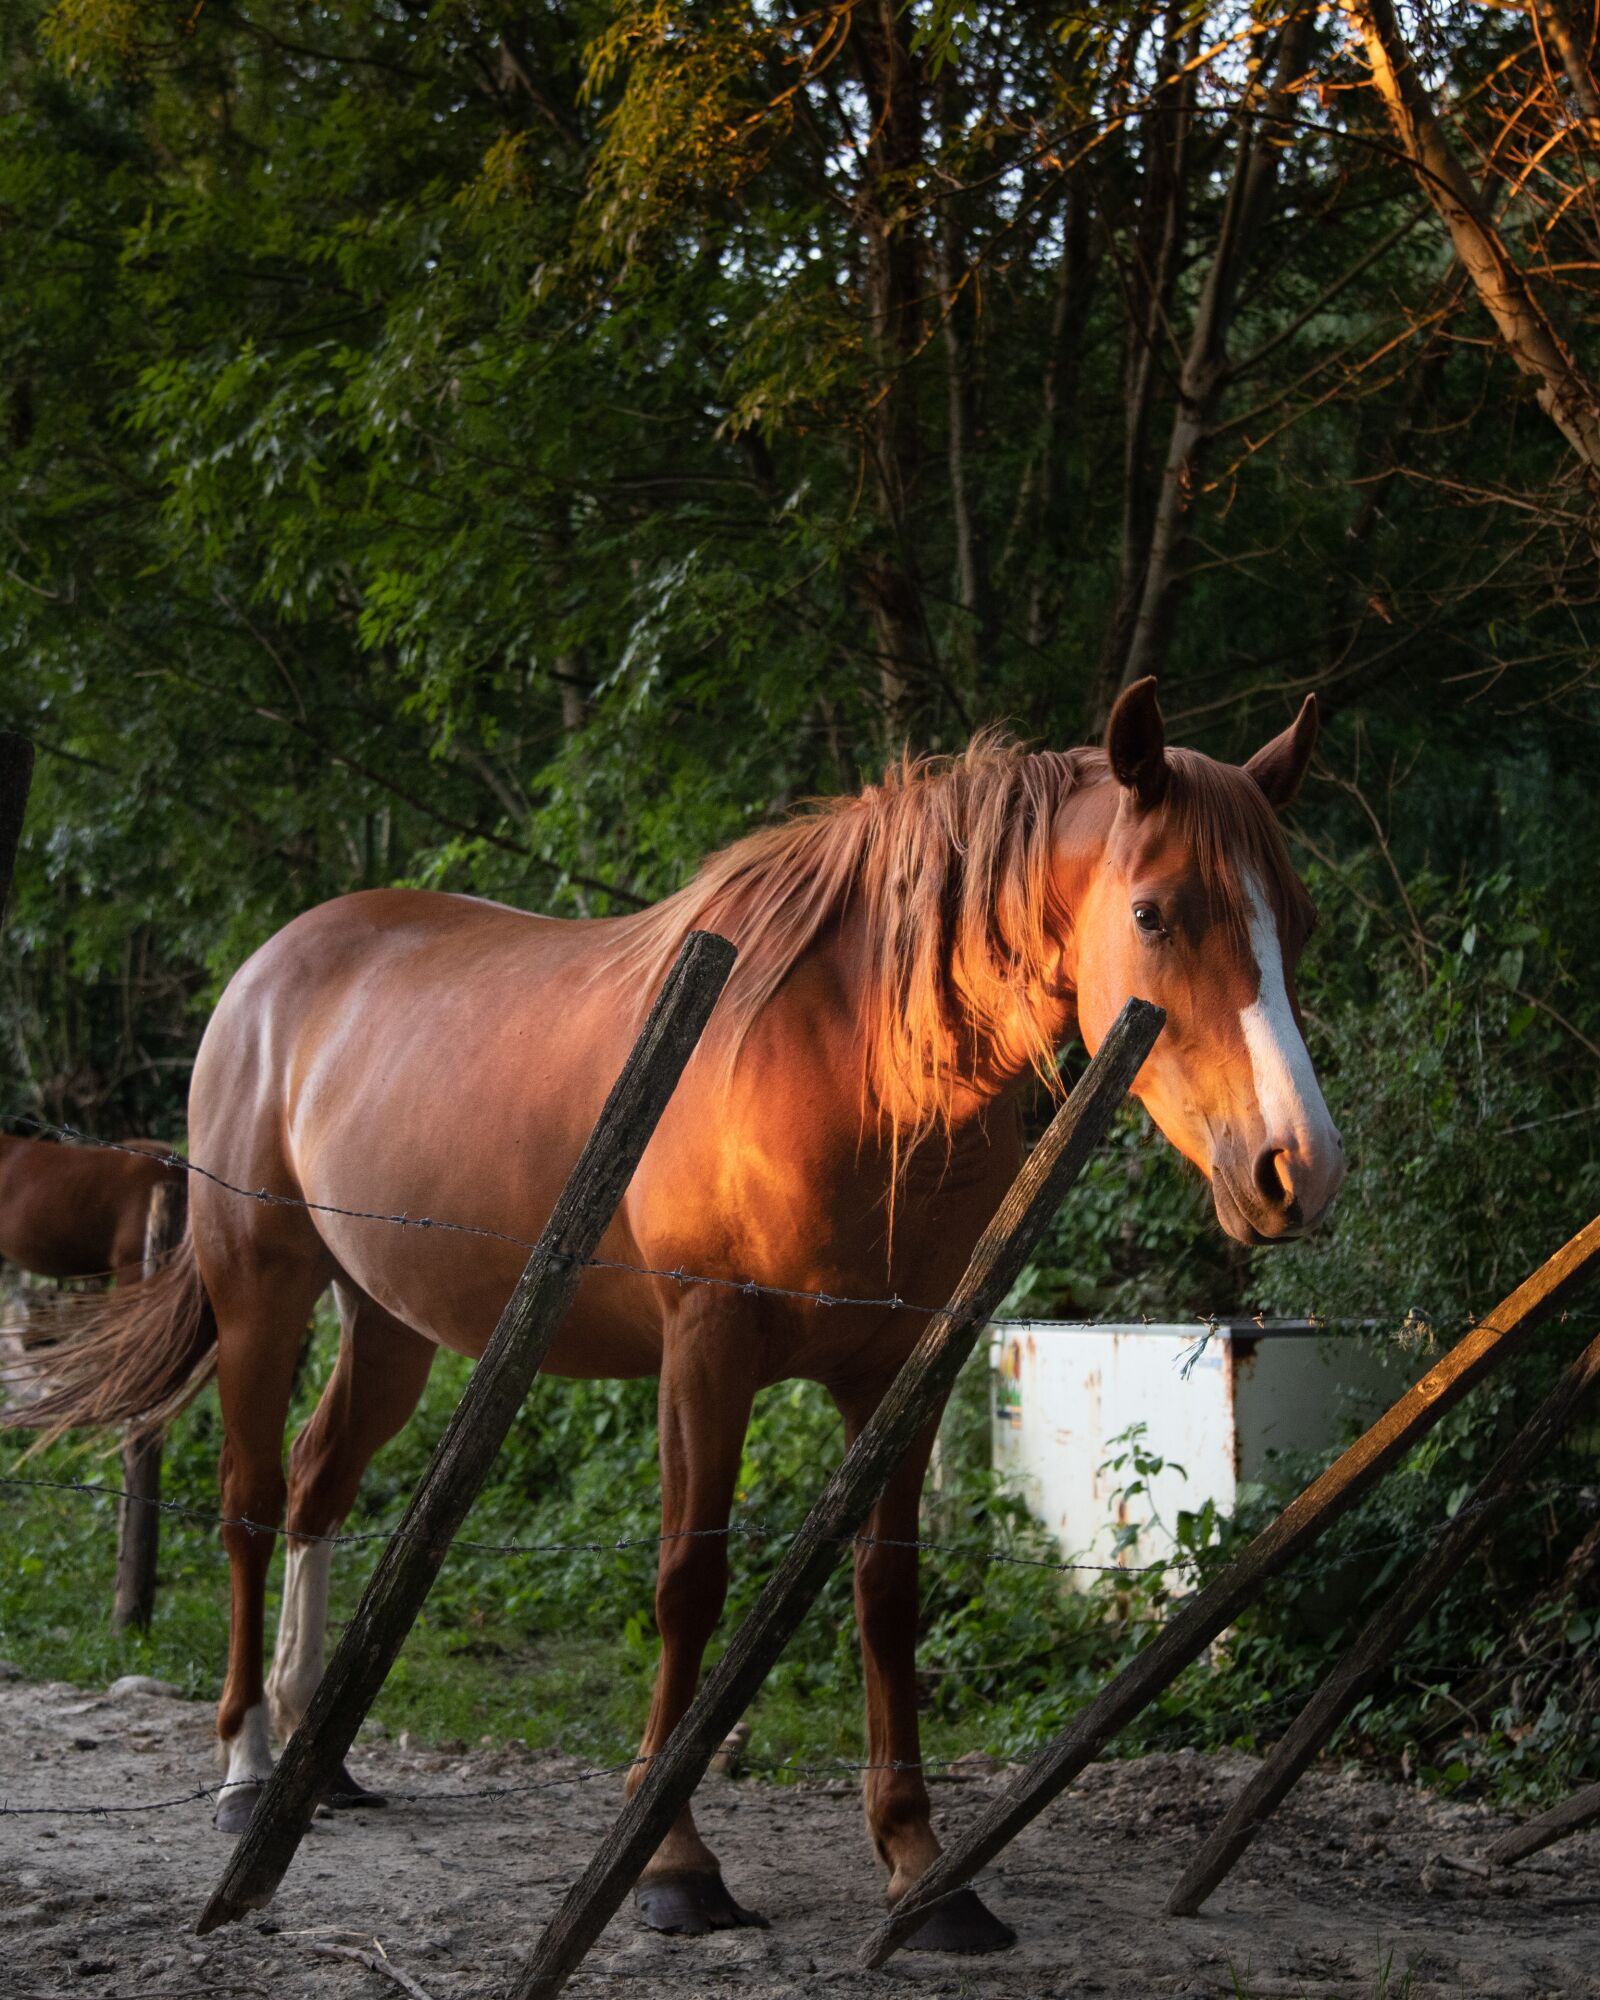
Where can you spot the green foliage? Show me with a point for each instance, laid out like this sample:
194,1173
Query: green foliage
518,449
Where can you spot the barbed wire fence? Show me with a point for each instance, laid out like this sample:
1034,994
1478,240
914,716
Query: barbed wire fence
1410,1322
1430,1669
1412,1327
408,1564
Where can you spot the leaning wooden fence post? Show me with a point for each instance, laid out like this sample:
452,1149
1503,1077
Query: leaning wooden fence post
1209,1611
1534,1835
1357,1673
501,1380
133,1603
16,774
912,1398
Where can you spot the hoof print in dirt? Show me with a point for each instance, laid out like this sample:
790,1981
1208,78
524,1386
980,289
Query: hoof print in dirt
962,1924
691,1905
236,1806
348,1794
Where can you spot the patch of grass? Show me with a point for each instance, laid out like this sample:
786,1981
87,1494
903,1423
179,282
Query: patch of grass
1387,1984
551,1650
471,1667
556,1645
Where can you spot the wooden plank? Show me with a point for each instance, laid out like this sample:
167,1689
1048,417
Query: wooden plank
499,1384
1571,1816
1201,1617
1359,1671
133,1601
16,775
914,1397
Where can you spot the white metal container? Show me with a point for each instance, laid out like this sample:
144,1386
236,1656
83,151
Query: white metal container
1065,1393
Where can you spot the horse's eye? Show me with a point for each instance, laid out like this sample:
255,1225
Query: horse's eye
1148,917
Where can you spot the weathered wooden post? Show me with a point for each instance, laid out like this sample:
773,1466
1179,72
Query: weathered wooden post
139,1516
499,1384
16,775
1357,1673
1209,1611
1534,1835
913,1397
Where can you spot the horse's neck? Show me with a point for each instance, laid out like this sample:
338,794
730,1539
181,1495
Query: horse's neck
1046,990
1083,826
995,1062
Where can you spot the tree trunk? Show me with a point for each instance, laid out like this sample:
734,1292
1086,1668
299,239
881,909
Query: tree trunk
1564,395
1553,23
1047,512
1205,365
1157,253
891,75
959,319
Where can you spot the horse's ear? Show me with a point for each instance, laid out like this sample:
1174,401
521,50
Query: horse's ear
1136,742
1278,766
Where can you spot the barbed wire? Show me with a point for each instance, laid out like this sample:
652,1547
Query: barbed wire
1412,1319
1210,1325
756,1531
751,1531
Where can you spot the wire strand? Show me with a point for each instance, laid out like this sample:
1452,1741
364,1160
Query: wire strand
1412,1320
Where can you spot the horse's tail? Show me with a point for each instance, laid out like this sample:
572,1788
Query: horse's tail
133,1356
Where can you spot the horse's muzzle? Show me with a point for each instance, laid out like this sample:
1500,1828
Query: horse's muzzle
1250,1215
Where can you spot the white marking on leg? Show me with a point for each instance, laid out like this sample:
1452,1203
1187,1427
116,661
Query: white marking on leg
1288,1095
249,1754
297,1658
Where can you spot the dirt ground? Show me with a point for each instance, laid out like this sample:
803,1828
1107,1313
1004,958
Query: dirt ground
1341,1888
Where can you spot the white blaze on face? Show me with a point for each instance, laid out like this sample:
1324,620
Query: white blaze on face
1288,1096
297,1656
249,1755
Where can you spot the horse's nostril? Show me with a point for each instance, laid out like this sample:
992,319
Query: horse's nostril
1273,1177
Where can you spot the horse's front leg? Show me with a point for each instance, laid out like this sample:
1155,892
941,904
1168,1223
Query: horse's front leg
707,1387
899,1815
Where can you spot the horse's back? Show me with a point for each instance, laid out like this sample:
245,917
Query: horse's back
406,1052
387,963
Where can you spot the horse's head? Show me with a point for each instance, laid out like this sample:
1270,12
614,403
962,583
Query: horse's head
1191,902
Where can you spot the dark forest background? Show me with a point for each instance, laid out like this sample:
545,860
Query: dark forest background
518,448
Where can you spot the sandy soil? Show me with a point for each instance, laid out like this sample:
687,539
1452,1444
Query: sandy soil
452,1891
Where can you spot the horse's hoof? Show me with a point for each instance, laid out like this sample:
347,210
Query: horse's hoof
962,1923
235,1807
691,1905
347,1794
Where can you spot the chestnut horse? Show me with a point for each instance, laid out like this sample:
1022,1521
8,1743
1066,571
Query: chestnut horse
78,1211
909,960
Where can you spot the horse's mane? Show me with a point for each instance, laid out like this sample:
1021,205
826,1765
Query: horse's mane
949,862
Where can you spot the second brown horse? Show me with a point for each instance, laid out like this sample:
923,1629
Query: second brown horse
78,1211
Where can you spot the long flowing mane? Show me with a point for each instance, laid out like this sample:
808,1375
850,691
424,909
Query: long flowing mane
949,863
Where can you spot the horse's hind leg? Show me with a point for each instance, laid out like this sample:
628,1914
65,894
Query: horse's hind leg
262,1298
707,1386
899,1816
375,1386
